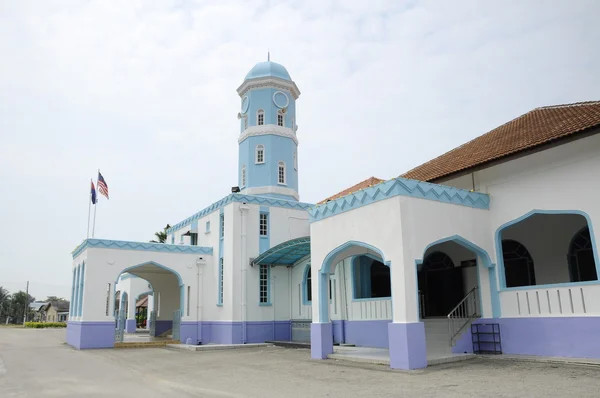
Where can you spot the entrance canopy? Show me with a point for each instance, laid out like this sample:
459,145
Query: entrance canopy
286,253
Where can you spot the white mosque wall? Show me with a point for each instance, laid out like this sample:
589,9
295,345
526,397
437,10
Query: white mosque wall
103,266
284,224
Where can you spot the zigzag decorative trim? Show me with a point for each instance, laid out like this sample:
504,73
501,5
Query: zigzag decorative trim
143,246
404,187
236,197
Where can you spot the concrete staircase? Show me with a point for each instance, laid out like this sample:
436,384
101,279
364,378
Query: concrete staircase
438,340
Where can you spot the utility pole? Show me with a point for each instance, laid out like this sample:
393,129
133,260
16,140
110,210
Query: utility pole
26,304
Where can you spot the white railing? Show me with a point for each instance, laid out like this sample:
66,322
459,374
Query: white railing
463,314
370,310
583,300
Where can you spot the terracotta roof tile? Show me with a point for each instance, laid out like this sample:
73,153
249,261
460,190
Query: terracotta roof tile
535,128
361,185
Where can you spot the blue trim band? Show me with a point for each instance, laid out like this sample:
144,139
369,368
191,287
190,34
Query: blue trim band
400,187
142,246
236,197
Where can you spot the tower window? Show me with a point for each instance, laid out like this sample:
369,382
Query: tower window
295,161
281,173
280,119
246,122
243,175
260,154
260,117
222,225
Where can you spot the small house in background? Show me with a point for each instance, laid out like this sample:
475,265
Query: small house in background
57,311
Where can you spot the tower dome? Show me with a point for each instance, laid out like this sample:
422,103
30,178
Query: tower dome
268,69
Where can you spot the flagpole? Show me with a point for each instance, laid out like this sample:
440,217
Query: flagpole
95,207
89,210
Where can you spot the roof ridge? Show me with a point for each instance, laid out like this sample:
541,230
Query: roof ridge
581,103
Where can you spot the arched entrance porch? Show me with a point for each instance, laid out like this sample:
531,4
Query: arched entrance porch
168,301
404,340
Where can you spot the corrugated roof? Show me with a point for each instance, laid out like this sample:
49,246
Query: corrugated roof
535,128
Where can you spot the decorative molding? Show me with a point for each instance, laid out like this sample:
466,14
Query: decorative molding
269,82
141,246
237,197
268,129
400,187
269,189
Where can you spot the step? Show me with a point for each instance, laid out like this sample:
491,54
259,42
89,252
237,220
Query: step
290,344
144,344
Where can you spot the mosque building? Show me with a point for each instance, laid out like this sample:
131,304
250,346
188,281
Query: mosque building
490,247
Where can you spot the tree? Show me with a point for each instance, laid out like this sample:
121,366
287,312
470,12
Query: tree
161,235
20,306
5,303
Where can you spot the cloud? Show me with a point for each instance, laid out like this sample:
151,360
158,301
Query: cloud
146,91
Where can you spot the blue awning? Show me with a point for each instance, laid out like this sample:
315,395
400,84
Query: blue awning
286,253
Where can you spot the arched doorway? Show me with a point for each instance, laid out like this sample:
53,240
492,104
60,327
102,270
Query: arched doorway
440,281
167,306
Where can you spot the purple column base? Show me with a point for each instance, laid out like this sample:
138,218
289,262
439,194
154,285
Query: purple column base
130,326
83,335
407,345
321,340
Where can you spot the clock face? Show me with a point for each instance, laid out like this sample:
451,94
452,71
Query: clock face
280,99
245,104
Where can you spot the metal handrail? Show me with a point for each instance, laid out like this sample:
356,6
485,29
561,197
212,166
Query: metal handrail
462,314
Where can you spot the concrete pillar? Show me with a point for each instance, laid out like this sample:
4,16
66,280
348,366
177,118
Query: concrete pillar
406,333
130,323
321,330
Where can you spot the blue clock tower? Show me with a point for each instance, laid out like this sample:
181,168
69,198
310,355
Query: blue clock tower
268,147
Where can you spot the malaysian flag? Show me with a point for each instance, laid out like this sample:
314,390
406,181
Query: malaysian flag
102,187
93,194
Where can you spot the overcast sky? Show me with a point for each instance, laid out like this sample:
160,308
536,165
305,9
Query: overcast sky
146,91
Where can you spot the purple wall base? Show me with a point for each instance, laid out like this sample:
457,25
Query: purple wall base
573,337
162,326
366,333
232,332
321,340
130,326
83,335
407,345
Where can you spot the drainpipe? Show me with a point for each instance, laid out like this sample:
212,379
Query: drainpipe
244,269
199,263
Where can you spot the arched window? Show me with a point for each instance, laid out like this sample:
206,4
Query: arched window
371,278
260,117
246,122
260,154
437,261
281,172
280,119
518,264
243,175
582,266
295,161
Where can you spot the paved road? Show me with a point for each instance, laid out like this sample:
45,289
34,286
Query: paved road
36,363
